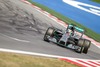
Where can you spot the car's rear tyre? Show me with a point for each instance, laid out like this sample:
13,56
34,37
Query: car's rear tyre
87,44
81,45
49,33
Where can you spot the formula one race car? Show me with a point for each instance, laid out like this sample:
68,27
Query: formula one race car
71,36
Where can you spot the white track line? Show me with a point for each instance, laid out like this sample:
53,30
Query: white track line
52,56
15,38
38,54
30,53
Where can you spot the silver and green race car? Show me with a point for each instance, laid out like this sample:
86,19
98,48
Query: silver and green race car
72,38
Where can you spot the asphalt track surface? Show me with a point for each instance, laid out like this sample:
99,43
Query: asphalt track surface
22,28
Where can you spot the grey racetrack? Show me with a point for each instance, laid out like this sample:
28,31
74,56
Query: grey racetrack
22,28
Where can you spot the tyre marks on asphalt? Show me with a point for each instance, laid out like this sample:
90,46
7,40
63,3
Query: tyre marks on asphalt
80,62
19,21
58,21
15,19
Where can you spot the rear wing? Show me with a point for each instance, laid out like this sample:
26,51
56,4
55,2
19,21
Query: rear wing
76,28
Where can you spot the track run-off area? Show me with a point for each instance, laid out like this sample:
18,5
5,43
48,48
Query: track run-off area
22,27
84,12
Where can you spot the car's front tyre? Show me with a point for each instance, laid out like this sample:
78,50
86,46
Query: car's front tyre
48,33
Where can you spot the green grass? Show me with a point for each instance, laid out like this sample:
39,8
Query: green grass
19,60
98,1
88,32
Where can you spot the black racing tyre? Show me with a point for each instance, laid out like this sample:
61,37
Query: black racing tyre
49,32
81,45
80,42
87,44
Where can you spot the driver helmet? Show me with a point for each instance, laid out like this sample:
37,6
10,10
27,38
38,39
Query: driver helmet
72,29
